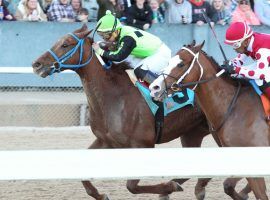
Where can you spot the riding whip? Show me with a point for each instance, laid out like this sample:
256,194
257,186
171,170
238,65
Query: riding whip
214,33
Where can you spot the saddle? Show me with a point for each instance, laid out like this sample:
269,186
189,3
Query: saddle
170,104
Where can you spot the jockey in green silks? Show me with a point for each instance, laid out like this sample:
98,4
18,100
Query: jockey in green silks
146,53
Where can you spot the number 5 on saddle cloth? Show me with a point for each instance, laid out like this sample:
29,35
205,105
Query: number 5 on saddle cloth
170,104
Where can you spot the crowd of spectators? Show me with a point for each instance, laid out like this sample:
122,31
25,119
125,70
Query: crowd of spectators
141,14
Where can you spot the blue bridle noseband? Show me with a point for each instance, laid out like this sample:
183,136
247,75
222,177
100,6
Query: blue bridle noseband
59,62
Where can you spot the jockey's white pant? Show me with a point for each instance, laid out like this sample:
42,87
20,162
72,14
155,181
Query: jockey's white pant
155,63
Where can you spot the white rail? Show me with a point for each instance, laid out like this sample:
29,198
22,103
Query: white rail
23,70
134,163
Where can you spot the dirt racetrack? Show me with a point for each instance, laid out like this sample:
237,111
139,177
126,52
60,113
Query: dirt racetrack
11,139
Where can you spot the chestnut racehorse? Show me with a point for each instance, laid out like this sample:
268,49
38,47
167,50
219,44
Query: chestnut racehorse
236,115
119,117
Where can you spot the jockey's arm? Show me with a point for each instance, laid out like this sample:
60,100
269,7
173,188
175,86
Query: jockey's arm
239,60
127,44
260,71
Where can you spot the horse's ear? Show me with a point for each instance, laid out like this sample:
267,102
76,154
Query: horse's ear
193,43
202,44
84,34
199,47
83,28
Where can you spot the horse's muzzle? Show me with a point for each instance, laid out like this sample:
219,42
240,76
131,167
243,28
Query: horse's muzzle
36,65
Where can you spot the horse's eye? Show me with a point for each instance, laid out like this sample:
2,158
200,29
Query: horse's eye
181,65
64,45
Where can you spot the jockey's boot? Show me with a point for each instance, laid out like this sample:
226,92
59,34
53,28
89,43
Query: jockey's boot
265,98
267,119
145,75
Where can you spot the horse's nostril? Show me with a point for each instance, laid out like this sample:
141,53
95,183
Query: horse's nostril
156,87
36,64
56,65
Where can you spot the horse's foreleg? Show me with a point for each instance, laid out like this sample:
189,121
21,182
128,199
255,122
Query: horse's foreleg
200,188
93,192
244,192
89,187
258,187
162,188
229,188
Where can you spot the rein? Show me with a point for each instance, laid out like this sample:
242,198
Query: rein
229,110
59,61
182,85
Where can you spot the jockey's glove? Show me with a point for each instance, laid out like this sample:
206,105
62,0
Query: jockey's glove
228,68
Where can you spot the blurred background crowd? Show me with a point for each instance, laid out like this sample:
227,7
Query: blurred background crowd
139,13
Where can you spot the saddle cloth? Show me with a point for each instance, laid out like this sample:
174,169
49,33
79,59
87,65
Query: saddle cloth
170,104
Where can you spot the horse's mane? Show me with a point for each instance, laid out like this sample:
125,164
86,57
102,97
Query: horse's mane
214,63
211,59
120,67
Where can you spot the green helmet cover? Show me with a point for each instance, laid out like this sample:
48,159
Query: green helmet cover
108,23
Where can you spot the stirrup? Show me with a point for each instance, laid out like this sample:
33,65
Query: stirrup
267,119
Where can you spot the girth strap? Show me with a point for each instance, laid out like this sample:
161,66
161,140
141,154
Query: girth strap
159,121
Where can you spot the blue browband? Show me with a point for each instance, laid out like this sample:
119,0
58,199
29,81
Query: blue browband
59,62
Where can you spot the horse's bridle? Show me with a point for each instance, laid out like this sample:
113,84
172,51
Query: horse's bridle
179,85
59,61
176,86
195,59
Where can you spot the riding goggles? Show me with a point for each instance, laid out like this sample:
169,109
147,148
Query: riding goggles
105,35
237,44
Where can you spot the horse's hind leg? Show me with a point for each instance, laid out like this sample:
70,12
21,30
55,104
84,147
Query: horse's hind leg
229,188
89,187
162,188
258,187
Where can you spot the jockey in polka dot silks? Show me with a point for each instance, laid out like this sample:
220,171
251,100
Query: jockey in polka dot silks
250,44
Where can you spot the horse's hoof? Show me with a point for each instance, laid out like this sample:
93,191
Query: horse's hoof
177,187
200,195
164,197
243,195
105,197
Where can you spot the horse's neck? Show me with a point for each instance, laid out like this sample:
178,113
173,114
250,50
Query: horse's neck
101,85
215,97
